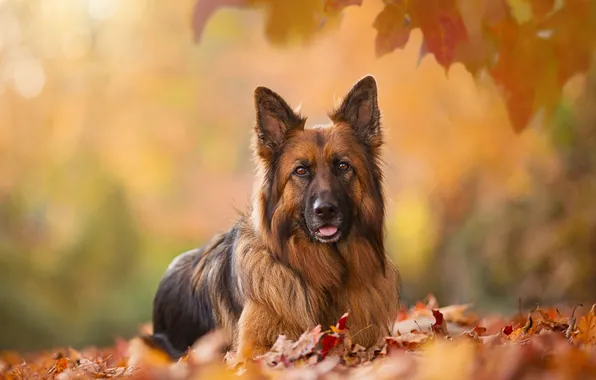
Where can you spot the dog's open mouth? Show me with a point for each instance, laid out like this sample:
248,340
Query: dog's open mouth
327,234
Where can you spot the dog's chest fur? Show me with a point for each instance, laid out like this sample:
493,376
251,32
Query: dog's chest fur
325,281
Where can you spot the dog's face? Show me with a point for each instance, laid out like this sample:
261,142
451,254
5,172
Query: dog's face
319,171
320,182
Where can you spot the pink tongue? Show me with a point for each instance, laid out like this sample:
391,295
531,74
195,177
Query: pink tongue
327,231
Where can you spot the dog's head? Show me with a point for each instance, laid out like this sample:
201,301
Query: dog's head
321,183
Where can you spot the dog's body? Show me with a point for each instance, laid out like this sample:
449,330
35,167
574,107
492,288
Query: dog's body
311,247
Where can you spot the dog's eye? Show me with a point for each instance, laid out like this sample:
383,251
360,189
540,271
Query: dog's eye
343,166
301,171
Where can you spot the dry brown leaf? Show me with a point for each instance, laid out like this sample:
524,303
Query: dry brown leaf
408,341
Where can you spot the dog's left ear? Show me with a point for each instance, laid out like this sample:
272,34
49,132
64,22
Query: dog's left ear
360,110
275,119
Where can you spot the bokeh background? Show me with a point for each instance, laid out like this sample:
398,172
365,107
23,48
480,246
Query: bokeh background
124,143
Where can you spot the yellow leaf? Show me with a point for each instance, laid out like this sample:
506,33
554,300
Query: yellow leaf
456,365
393,29
521,10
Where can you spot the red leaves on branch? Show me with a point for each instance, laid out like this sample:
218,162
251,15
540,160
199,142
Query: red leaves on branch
529,59
441,24
530,48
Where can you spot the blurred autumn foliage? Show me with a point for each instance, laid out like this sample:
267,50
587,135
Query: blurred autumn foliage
123,143
530,48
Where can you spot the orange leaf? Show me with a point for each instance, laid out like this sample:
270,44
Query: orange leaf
393,29
516,335
587,328
442,26
402,314
60,366
525,69
573,35
141,354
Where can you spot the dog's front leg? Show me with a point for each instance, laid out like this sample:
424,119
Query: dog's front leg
258,329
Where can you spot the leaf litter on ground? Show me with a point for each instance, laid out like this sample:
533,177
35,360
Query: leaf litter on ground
427,341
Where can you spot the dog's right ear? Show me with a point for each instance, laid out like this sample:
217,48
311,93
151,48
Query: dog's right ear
360,110
275,119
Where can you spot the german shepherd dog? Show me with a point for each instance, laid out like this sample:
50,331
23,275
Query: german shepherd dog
309,249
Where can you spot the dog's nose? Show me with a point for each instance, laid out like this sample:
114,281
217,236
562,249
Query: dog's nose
324,210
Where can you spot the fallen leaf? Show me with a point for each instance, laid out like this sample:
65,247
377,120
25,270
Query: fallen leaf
60,366
586,329
329,342
340,327
508,330
410,341
440,325
537,347
457,314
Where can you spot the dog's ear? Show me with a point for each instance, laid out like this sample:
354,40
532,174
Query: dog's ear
360,110
275,119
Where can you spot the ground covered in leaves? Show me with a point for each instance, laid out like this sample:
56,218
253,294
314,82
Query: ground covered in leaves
427,342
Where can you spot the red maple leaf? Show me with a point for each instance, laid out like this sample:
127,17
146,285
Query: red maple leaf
440,325
328,342
507,330
341,323
442,26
